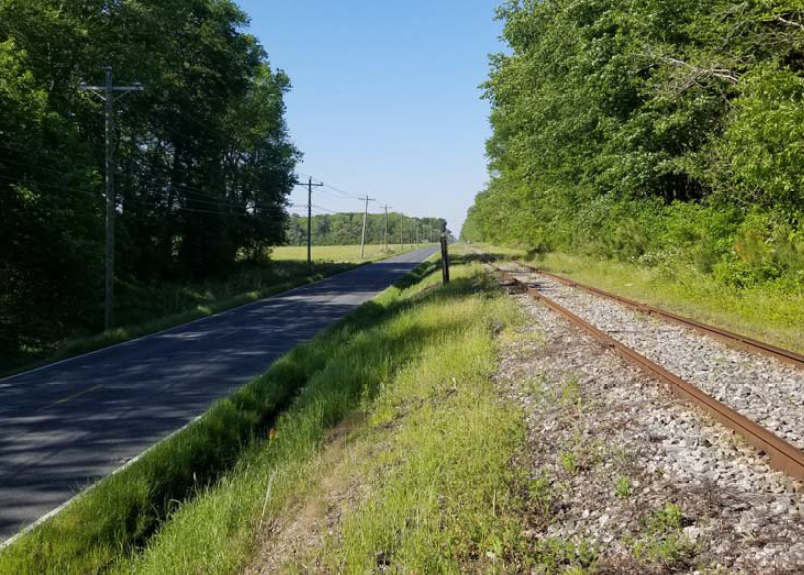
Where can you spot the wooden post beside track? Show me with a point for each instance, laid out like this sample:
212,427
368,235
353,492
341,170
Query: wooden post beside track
445,258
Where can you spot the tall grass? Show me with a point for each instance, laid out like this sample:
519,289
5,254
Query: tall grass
215,533
440,497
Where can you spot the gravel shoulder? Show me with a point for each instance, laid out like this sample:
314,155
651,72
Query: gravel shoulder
626,474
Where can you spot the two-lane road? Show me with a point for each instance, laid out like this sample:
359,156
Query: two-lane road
73,422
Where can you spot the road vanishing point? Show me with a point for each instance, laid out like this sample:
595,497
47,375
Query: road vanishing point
66,425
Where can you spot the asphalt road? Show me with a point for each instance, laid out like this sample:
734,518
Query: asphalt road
68,424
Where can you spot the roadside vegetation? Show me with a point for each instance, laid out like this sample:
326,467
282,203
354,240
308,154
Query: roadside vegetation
125,510
146,308
663,136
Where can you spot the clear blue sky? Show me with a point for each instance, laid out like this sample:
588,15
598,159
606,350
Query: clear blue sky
385,97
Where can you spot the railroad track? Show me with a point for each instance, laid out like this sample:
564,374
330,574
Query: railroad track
782,454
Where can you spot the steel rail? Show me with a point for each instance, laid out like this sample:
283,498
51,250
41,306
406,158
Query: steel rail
729,338
783,456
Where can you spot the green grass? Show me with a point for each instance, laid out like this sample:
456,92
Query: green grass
439,498
463,435
415,356
770,312
338,253
123,513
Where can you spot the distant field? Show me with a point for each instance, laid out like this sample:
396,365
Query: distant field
337,253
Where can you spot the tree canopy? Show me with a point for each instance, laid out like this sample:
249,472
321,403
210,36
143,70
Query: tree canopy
631,127
347,229
204,160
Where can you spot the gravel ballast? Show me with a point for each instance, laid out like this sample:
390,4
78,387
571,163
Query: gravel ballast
616,446
761,388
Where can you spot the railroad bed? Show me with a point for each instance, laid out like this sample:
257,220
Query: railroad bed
764,389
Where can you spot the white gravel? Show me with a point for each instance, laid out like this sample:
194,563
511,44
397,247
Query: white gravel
743,516
761,388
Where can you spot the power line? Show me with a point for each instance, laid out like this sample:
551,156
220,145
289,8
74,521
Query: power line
107,93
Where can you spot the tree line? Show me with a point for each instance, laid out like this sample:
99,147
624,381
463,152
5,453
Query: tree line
347,229
653,131
204,160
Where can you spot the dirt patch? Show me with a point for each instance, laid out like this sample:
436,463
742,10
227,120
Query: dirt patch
303,526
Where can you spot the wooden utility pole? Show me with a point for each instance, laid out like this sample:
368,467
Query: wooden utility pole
444,258
310,186
106,92
365,223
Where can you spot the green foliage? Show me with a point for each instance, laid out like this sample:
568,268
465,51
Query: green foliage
663,541
204,161
623,487
555,556
650,131
347,229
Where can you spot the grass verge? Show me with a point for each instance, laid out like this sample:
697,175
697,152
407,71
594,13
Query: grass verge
430,355
769,313
119,517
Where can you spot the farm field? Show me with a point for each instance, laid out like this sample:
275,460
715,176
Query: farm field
338,254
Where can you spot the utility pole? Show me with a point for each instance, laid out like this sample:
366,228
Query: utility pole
386,226
106,93
365,223
310,186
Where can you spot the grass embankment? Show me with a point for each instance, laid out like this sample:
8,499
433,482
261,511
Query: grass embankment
411,370
767,312
416,387
143,309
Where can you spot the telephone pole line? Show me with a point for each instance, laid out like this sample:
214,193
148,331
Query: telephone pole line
310,186
386,226
106,93
365,223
